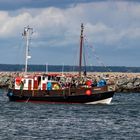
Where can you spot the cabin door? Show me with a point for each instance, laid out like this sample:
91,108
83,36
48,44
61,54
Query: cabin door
29,84
35,83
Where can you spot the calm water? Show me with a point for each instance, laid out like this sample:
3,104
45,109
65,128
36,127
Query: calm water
29,121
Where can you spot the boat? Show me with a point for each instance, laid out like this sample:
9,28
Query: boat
59,88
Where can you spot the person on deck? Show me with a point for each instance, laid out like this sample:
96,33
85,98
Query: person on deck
49,86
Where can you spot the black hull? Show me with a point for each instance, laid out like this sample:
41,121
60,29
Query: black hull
93,98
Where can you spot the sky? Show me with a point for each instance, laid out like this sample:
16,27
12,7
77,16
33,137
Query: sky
111,31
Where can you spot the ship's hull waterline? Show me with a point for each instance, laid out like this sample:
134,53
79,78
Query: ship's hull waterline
97,98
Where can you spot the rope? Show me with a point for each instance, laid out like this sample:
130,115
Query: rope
84,57
96,56
75,60
27,100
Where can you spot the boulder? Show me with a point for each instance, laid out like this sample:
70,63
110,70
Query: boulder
137,83
129,86
122,81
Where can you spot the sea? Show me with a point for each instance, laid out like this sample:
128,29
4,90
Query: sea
119,120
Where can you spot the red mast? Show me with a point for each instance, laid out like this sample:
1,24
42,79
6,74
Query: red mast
81,47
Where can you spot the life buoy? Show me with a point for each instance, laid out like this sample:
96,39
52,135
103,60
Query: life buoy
18,81
88,92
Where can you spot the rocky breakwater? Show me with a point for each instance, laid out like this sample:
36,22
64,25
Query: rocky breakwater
128,85
7,79
124,82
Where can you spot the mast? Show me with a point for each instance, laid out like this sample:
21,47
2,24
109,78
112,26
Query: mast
27,35
81,47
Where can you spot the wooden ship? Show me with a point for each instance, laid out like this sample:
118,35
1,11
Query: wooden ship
50,88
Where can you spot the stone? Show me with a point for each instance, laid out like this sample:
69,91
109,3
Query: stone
130,86
123,81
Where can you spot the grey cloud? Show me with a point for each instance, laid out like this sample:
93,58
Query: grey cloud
17,4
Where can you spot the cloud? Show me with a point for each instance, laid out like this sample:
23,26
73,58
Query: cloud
10,26
109,24
102,23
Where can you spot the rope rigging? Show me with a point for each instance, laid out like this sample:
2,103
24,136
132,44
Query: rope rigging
84,57
94,53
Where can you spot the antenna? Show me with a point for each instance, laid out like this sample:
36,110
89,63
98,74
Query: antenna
27,35
46,68
63,69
